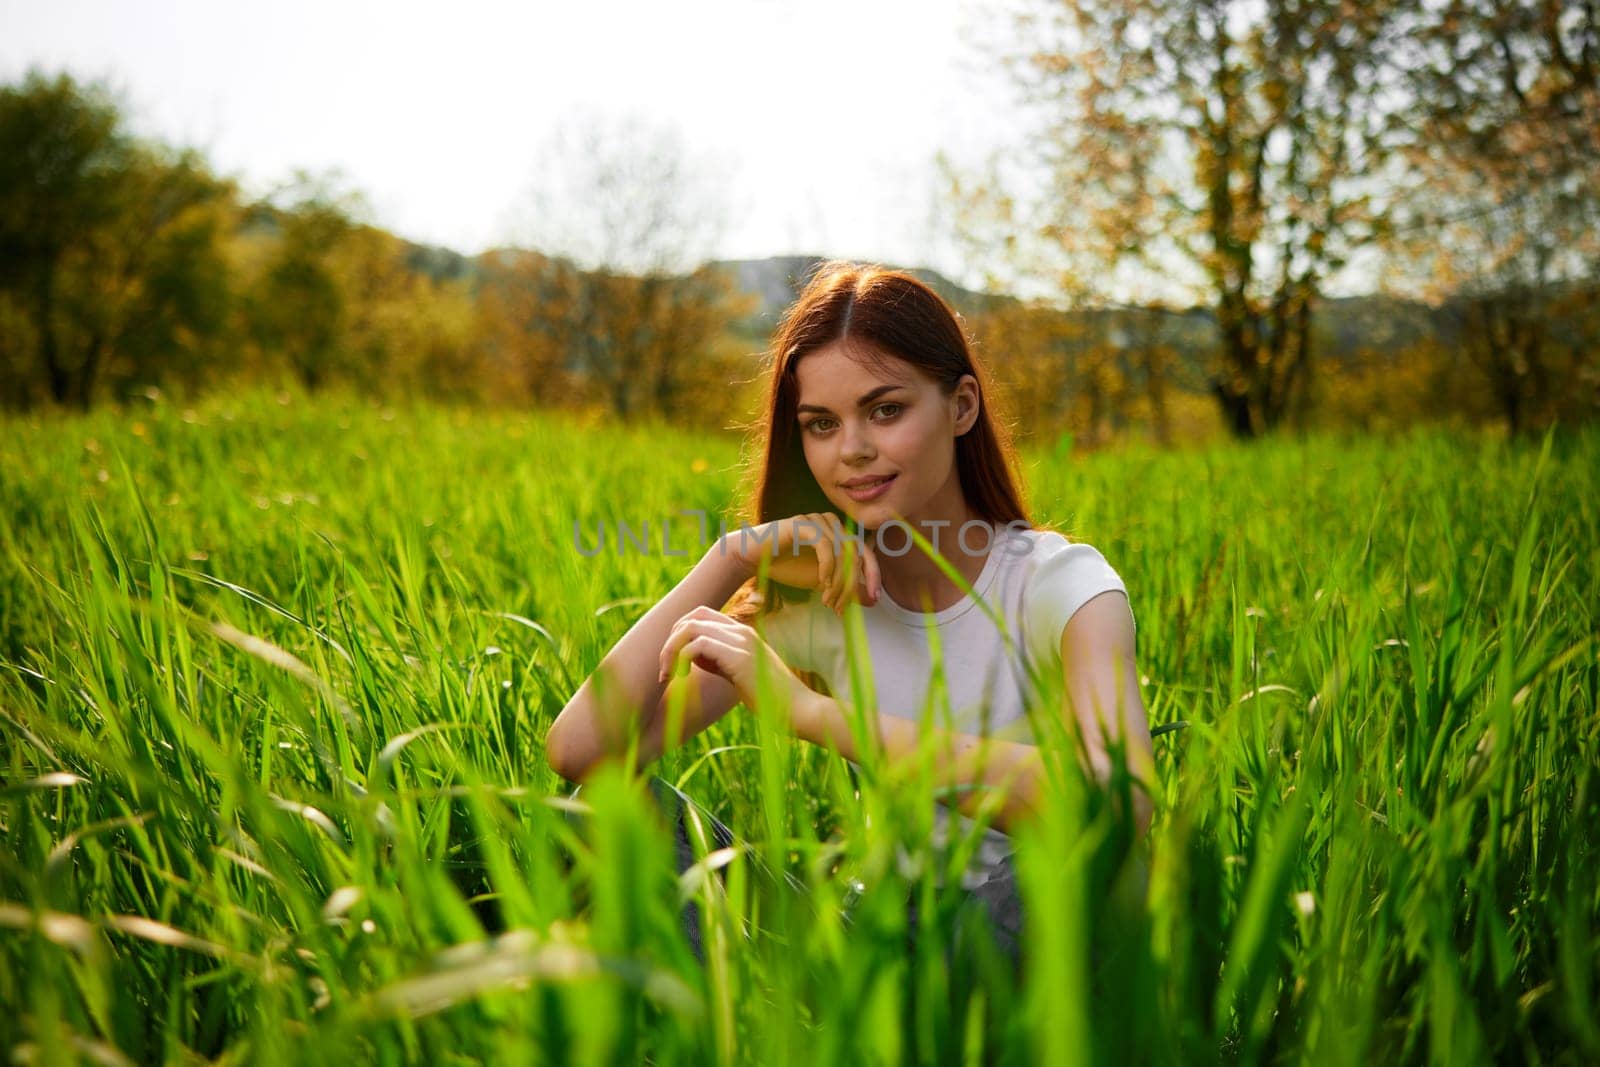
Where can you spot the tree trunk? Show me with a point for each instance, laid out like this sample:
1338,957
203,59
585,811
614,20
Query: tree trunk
1238,385
1156,391
49,345
1300,401
1235,409
1289,358
89,371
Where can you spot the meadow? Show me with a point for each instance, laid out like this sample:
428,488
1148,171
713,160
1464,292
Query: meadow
275,674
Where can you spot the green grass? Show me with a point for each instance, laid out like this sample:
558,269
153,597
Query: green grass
274,679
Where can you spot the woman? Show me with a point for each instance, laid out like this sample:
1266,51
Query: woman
878,414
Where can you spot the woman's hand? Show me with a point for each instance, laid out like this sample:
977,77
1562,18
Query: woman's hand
729,649
813,551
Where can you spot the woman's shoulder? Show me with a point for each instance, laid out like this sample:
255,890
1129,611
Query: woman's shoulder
1045,552
1061,575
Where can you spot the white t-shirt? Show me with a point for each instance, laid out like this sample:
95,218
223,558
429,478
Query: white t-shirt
1033,580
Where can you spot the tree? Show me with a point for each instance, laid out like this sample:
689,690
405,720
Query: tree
300,306
1054,368
110,249
334,299
523,308
148,297
62,152
1243,141
1502,234
625,221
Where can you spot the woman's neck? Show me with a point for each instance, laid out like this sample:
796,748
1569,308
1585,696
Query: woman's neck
913,576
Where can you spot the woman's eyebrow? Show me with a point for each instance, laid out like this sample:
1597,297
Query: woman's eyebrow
863,402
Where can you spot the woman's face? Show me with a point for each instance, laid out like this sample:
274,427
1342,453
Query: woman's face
862,424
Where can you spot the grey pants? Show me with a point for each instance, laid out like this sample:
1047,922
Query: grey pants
996,902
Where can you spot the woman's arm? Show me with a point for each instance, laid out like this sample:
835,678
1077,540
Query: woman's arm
594,725
1010,767
1097,661
1102,686
596,722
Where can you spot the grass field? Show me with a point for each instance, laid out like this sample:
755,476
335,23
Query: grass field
274,678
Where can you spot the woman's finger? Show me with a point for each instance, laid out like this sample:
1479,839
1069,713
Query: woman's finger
844,567
664,657
853,584
683,631
708,622
874,575
711,654
827,562
828,582
848,576
688,618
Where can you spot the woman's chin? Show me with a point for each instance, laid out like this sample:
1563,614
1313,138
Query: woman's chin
871,516
868,515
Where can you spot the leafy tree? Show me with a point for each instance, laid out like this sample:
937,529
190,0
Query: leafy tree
335,299
1240,141
656,344
523,299
620,305
62,153
150,295
299,306
1502,232
404,331
110,256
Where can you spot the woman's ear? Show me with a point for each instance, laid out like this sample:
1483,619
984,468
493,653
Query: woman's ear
967,403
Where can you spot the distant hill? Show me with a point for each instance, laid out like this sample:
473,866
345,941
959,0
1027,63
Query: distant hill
440,264
1346,325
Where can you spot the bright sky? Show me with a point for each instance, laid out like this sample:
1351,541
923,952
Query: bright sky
825,116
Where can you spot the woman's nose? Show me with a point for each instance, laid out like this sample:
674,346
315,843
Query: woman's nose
858,444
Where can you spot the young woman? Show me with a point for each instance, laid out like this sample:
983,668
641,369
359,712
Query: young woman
878,414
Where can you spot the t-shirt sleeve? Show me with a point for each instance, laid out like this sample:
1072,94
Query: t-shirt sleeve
1064,580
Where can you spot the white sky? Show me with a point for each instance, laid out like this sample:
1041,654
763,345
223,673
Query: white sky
827,114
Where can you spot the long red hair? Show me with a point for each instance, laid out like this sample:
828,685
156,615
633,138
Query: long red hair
891,312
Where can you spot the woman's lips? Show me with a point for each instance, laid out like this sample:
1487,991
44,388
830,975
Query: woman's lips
863,493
